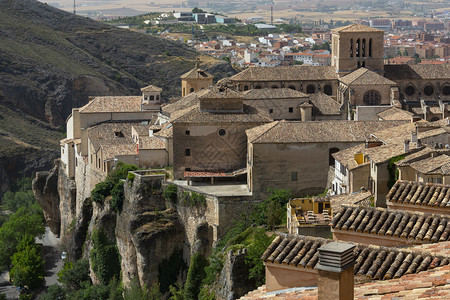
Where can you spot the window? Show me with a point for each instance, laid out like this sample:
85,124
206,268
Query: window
274,86
152,98
271,111
222,132
292,87
157,97
310,89
118,134
363,48
245,87
188,132
187,152
428,90
358,48
410,90
291,109
303,201
145,97
446,90
370,48
191,90
372,97
293,176
330,155
327,205
351,47
258,87
328,90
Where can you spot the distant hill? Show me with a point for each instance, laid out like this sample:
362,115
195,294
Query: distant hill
51,61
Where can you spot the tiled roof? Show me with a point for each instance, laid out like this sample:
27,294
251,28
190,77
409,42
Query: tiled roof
292,73
398,72
195,115
141,130
166,131
111,151
216,93
363,76
317,131
346,157
384,153
442,248
395,113
151,88
356,28
395,223
402,132
424,152
267,93
358,198
373,262
420,193
324,105
113,104
430,284
432,165
151,142
196,74
185,102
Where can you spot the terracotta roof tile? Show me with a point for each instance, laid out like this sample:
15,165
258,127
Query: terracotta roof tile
292,73
151,142
151,88
266,93
113,104
420,193
363,76
394,113
317,131
356,28
324,105
346,157
196,74
399,72
400,224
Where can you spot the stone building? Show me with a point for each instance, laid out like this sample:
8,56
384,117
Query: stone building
195,80
210,136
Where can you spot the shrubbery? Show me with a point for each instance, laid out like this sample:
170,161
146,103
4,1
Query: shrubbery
105,258
170,193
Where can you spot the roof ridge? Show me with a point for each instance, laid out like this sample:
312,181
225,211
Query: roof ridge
274,123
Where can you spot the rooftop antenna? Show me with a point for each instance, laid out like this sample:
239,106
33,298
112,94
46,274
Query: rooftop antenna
74,8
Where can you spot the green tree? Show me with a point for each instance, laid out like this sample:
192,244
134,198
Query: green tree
254,252
14,200
105,258
73,275
26,221
54,292
135,292
27,265
195,277
117,197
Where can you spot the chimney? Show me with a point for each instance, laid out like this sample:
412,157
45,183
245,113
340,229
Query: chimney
413,137
406,146
335,267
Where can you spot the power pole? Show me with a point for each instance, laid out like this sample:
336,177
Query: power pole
271,14
74,8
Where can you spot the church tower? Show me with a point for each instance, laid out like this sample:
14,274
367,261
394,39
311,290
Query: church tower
195,80
355,46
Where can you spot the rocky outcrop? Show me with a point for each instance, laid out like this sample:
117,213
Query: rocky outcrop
234,277
146,232
45,189
75,236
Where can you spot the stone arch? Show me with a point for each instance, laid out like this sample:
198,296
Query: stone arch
191,90
370,47
258,87
292,87
310,89
372,97
204,238
358,48
328,90
351,47
363,48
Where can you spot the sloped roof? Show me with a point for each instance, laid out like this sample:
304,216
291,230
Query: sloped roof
324,105
380,263
356,28
151,88
216,93
196,73
346,157
185,102
292,73
420,193
195,115
317,131
384,152
151,142
394,113
398,72
267,93
113,104
363,76
432,165
431,228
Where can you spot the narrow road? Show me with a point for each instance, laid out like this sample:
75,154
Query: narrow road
52,257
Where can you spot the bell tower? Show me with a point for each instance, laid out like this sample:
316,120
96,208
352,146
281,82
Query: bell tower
195,80
355,46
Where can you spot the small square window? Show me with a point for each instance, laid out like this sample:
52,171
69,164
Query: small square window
327,205
303,201
157,97
187,152
188,132
293,176
271,111
187,169
291,109
152,98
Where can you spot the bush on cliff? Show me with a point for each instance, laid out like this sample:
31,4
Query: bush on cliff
105,258
170,193
117,197
72,275
195,276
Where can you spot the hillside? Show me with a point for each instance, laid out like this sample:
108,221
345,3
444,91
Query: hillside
51,61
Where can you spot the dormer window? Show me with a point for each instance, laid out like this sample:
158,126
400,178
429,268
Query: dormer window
157,97
118,134
152,98
145,97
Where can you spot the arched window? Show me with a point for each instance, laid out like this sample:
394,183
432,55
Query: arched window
370,48
359,64
274,86
310,89
328,90
372,97
245,87
191,90
358,48
351,47
428,90
363,64
292,87
446,90
184,92
330,156
257,87
410,90
363,47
